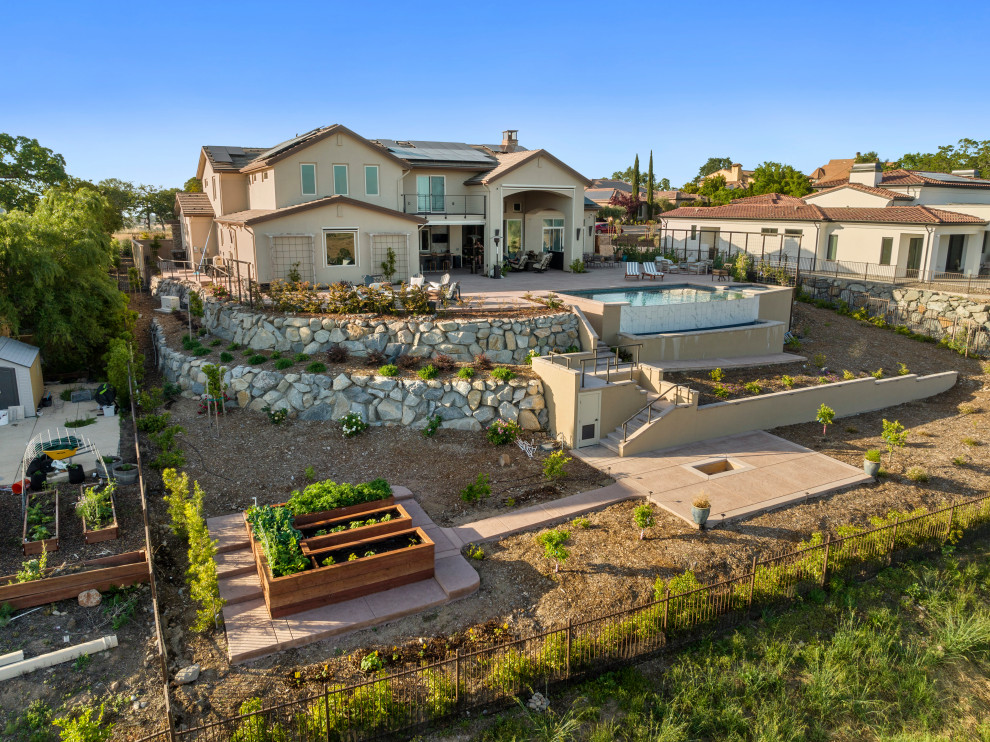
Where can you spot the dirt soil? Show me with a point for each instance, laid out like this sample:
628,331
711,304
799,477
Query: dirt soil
609,567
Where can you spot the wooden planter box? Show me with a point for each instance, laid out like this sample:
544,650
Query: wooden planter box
403,522
321,586
109,533
305,520
122,570
33,548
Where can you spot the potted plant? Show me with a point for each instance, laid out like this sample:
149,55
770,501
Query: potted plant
98,512
105,465
77,475
125,473
700,509
871,462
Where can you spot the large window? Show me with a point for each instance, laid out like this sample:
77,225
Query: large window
307,177
768,230
833,247
341,247
430,194
340,180
553,235
886,248
371,180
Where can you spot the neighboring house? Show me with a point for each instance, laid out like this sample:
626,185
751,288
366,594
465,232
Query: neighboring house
919,223
735,176
833,170
331,204
602,192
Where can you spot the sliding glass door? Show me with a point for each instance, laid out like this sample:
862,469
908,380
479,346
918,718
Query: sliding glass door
430,194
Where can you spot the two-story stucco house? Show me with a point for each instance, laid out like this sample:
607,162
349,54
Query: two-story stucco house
330,204
919,224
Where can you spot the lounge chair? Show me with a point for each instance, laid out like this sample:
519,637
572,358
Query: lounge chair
449,294
519,263
543,263
444,280
650,271
632,270
416,280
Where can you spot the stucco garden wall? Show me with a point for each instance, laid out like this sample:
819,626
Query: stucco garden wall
461,404
506,341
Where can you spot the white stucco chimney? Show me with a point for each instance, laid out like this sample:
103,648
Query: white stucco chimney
866,173
967,173
510,140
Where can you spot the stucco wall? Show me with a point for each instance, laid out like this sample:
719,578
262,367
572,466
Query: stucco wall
461,404
686,424
764,338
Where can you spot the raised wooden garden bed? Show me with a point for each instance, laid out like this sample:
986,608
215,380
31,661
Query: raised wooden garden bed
302,521
400,521
31,546
107,533
399,564
122,570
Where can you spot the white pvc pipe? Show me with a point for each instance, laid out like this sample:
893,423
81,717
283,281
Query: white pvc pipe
9,659
55,658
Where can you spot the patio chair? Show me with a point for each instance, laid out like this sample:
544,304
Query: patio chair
543,263
632,270
665,264
416,280
519,262
444,280
650,271
449,293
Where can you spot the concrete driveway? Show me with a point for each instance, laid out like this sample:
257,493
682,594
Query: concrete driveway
14,437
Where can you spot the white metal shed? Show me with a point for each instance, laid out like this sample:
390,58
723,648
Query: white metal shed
21,383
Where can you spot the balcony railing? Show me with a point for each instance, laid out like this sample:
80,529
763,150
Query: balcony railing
417,203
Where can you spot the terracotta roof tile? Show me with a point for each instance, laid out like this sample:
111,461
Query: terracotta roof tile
916,177
193,204
900,215
868,189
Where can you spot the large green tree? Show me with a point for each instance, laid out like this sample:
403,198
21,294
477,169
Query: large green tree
26,171
968,154
712,165
54,280
193,185
156,203
870,156
773,177
635,180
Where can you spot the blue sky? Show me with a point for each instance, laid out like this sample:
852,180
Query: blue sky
132,90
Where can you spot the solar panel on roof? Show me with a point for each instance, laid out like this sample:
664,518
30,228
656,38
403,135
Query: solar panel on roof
235,151
220,154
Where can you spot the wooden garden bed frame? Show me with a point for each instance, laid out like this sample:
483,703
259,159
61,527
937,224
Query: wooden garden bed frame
34,548
108,533
307,519
401,523
121,570
336,583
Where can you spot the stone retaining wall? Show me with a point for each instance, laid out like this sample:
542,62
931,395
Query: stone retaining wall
461,404
921,303
506,341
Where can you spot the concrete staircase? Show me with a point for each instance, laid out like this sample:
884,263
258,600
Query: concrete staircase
642,419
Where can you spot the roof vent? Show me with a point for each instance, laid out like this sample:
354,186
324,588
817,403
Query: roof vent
510,140
404,144
967,173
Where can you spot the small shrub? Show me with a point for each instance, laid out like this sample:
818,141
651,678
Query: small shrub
338,354
276,417
643,518
872,455
84,727
825,417
553,465
848,375
819,360
503,374
917,474
201,351
482,362
443,363
375,357
577,266
300,358
475,552
310,474
717,375
581,522
968,409
959,461
971,442
234,346
466,373
752,387
427,372
432,426
902,369
257,359
371,662
553,542
283,363
226,357
501,432
787,381
407,362
478,489
389,369
276,355
352,425
894,436
316,367
534,353
215,342
878,374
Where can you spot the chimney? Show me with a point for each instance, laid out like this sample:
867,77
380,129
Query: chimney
866,173
967,173
510,140
735,172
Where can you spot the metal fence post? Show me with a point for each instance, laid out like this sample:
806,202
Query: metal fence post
457,677
666,607
828,544
752,584
893,540
569,626
326,708
952,513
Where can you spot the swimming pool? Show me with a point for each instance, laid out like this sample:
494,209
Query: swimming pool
660,295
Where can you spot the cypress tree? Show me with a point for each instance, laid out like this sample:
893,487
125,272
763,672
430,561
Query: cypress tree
635,182
649,188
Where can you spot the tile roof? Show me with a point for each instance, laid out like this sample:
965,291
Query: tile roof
511,160
834,169
193,204
14,351
902,177
255,216
775,206
896,195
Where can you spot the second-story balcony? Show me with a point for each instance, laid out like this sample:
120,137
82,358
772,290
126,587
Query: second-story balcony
437,205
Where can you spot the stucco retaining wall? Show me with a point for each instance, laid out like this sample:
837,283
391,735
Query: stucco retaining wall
506,341
461,404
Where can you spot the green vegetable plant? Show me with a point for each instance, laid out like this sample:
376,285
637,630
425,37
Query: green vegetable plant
330,495
279,539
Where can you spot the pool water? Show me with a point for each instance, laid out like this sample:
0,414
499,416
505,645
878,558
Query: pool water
659,296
